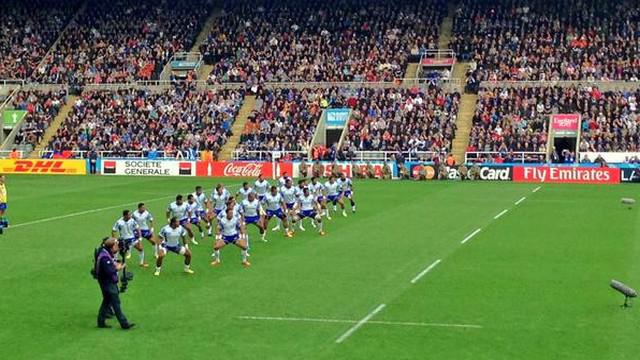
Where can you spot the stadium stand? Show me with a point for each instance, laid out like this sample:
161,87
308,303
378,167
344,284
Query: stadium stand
121,41
42,107
261,41
181,119
542,40
27,30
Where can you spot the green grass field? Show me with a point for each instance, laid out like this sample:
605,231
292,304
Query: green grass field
533,283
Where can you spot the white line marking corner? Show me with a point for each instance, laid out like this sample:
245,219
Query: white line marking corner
359,324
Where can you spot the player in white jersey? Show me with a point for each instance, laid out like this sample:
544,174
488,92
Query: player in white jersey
333,194
274,205
283,179
346,189
262,187
128,234
252,213
308,207
145,224
317,189
194,218
288,192
231,204
174,238
218,200
231,230
302,183
182,211
203,206
244,192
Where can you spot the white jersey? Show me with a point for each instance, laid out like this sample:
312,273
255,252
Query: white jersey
283,180
332,189
219,200
288,194
273,202
316,189
126,229
171,236
262,187
180,212
201,201
307,202
229,227
237,210
251,208
299,192
344,185
193,207
143,219
244,193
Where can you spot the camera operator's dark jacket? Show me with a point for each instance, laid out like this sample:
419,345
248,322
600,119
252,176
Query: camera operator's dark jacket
106,268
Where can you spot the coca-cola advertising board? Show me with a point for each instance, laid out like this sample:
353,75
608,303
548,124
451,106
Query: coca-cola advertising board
566,174
242,169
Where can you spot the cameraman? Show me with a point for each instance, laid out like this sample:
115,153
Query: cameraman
106,272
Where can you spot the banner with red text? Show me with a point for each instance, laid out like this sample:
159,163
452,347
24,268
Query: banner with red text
565,174
242,168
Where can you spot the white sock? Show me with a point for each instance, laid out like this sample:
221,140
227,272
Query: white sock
247,236
320,226
155,250
217,255
335,208
244,255
187,267
158,268
142,257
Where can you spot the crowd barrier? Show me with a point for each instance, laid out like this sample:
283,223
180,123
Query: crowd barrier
531,173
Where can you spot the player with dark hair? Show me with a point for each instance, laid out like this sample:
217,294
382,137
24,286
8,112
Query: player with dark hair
128,232
174,239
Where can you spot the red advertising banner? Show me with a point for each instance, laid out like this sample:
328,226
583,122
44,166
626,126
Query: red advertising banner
564,174
438,62
345,168
565,124
242,168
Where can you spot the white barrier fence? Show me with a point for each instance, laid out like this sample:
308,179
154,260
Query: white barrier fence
516,156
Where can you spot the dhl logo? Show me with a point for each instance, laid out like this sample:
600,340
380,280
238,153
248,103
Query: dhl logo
41,166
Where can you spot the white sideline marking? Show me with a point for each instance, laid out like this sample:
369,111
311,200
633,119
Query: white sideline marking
82,213
343,321
415,279
521,200
470,236
79,213
359,324
502,213
536,189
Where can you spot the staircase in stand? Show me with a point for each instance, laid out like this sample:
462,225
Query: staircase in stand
464,123
226,153
54,126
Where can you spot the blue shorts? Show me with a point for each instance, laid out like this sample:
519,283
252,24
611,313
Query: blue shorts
333,198
261,198
231,239
130,242
277,213
3,206
290,206
146,234
320,199
183,222
217,212
173,248
307,213
201,214
251,219
347,194
195,220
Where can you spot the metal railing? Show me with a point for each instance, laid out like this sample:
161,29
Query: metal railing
602,85
516,156
6,154
261,155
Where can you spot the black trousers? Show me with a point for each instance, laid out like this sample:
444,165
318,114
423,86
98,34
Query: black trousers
110,300
92,167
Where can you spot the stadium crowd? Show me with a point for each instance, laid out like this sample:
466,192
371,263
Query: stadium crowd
542,40
41,108
27,30
258,41
121,41
180,119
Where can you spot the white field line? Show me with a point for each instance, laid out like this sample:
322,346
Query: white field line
423,272
521,200
344,321
80,213
501,213
470,236
536,189
359,324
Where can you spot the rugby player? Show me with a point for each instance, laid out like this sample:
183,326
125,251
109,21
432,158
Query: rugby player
308,207
346,188
180,210
174,239
333,194
275,206
128,232
145,223
201,209
230,231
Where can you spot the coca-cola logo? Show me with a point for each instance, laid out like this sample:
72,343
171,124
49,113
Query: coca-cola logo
243,170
